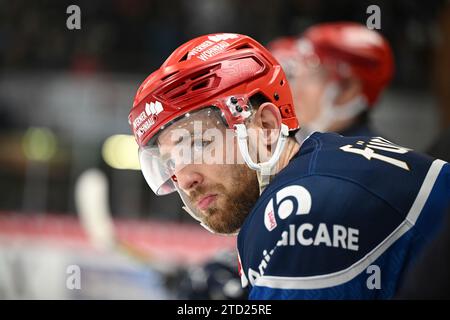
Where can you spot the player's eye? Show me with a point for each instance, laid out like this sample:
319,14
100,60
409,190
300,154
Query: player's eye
199,144
206,143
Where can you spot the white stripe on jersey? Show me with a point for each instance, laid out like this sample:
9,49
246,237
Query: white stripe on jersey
343,276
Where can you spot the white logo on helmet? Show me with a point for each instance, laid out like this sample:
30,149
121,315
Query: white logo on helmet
153,108
146,119
222,37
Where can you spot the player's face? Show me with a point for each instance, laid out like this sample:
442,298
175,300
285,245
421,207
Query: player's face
308,88
220,192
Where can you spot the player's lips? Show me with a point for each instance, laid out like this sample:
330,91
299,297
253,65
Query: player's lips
205,201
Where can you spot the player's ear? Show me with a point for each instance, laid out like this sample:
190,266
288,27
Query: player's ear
268,118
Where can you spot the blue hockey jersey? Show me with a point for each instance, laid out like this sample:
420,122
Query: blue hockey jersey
343,220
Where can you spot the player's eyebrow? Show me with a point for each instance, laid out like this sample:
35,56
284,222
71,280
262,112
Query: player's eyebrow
188,133
178,141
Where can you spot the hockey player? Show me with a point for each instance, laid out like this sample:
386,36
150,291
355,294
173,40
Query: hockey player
336,72
329,217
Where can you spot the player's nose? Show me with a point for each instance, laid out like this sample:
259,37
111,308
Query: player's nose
188,178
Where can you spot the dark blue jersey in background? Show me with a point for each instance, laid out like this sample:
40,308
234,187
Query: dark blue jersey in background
344,220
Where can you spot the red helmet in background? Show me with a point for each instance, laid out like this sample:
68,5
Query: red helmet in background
349,48
222,70
284,49
344,48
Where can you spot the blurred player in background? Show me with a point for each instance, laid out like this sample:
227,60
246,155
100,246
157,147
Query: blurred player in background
337,71
216,123
440,148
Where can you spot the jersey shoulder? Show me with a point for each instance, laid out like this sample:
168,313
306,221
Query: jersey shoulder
393,173
332,209
312,218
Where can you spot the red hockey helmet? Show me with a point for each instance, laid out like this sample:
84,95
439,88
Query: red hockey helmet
348,48
207,71
221,70
345,48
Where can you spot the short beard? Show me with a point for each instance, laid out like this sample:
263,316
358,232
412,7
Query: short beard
239,200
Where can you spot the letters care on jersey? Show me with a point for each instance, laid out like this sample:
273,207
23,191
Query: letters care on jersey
342,207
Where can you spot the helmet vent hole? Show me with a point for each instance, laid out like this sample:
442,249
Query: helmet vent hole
200,85
200,74
178,94
184,58
282,82
169,75
244,46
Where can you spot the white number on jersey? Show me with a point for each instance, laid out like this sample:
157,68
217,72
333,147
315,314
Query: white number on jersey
381,144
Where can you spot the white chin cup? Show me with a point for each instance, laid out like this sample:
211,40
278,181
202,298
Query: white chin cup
331,112
264,169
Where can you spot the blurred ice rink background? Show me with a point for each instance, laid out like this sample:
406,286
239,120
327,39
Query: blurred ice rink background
64,101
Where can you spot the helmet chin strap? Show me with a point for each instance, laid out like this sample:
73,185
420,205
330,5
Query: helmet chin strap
331,112
263,170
